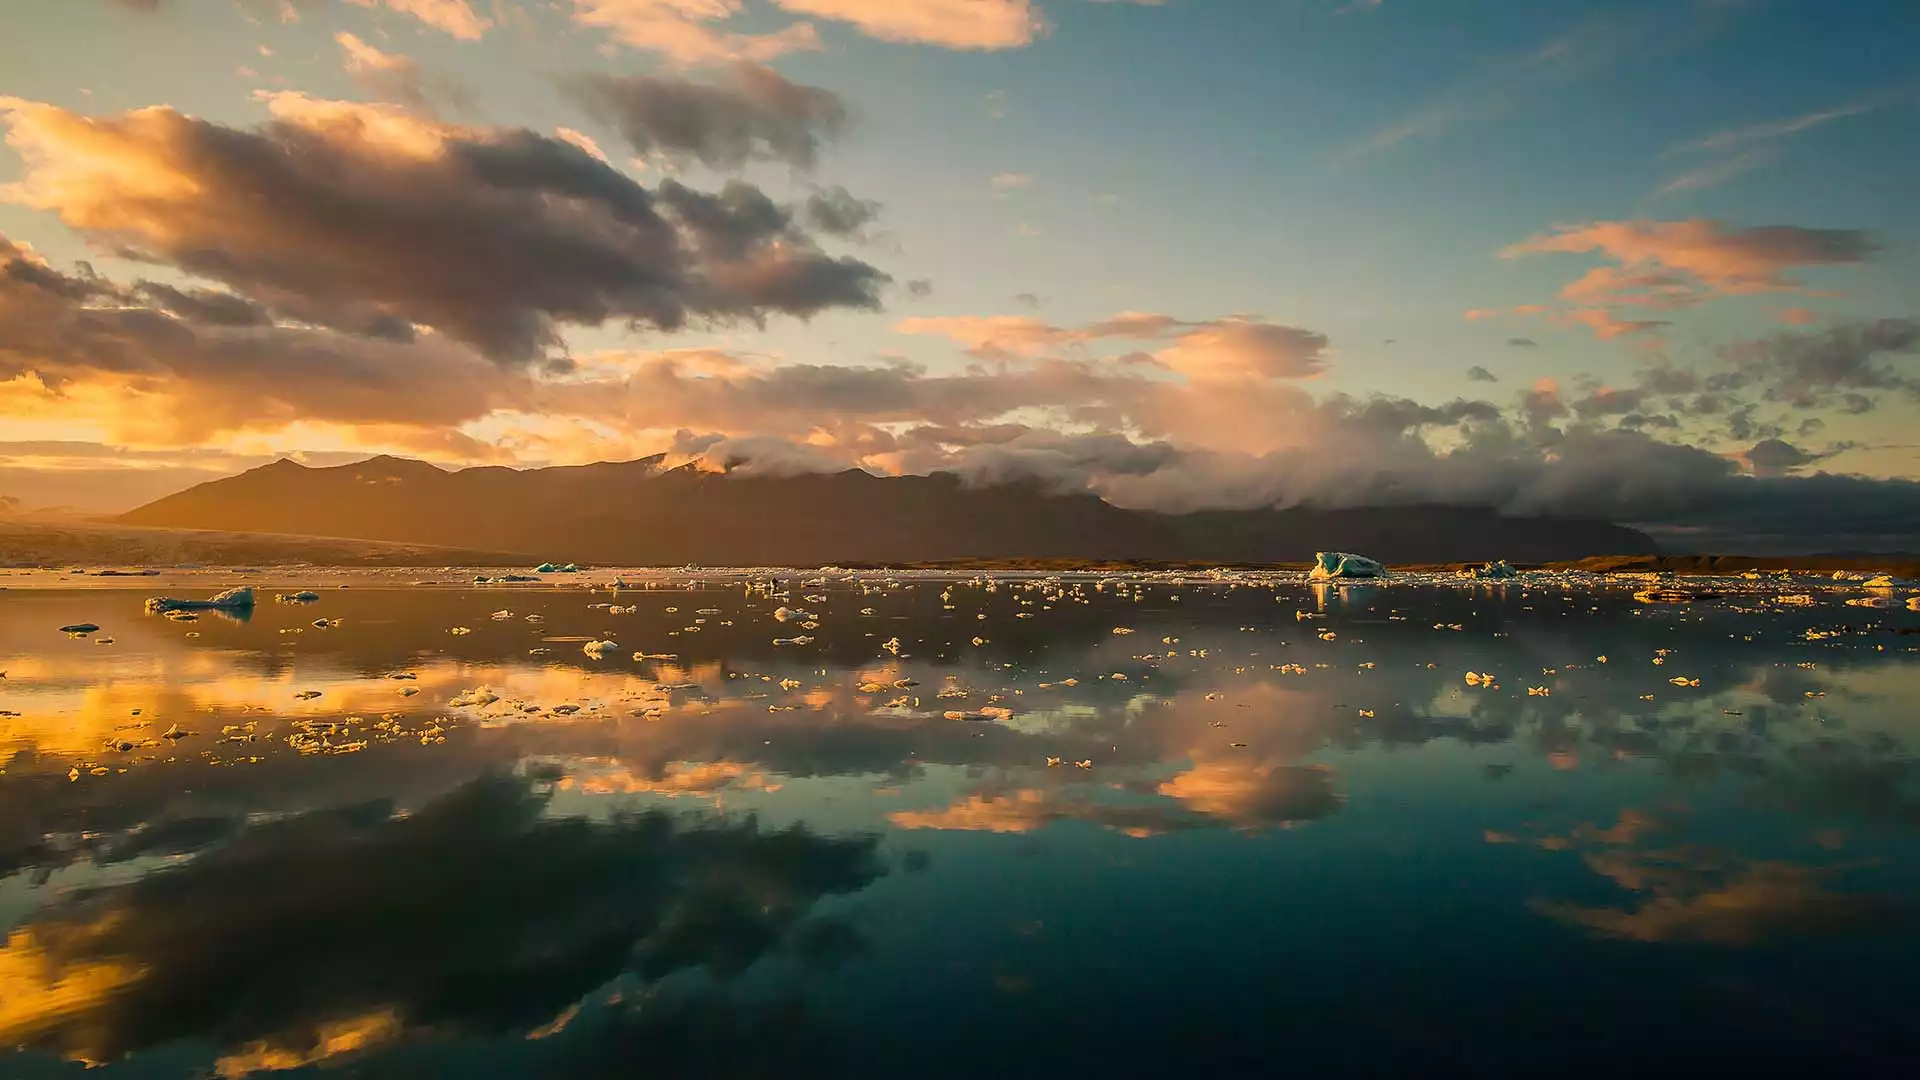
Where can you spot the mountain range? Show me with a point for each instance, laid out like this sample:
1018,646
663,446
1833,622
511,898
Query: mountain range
637,513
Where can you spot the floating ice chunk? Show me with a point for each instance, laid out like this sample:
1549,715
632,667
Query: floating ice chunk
504,579
1328,565
1884,581
306,596
80,628
240,599
476,698
599,649
1499,570
550,568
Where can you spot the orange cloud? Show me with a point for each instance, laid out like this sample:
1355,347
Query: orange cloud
1606,325
1233,347
952,24
682,30
1723,260
1674,264
455,17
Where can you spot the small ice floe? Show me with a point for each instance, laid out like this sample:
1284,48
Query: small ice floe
478,697
240,599
600,649
80,629
459,631
1884,581
325,624
504,579
1668,596
305,596
550,568
1328,565
1499,570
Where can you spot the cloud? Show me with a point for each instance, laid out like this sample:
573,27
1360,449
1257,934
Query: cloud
1144,409
1011,181
1808,369
582,140
751,114
1665,265
682,30
1222,348
386,75
383,220
1718,172
1605,325
1722,260
950,24
1236,348
1738,139
1776,457
1520,343
455,17
837,212
1476,373
1495,87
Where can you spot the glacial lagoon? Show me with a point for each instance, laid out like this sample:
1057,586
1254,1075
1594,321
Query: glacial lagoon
828,823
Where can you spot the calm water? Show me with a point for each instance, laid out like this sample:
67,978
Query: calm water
957,829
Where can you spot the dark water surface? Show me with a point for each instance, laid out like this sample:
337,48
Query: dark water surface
961,829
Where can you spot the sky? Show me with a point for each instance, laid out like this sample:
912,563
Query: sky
1650,260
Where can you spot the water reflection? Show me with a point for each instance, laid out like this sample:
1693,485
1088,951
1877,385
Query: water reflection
340,929
343,833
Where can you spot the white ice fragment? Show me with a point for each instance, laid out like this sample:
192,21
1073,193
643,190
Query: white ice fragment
1328,565
240,599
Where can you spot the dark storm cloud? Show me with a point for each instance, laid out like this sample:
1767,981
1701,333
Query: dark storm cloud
494,236
1806,369
755,114
1477,373
838,212
209,306
1518,343
224,363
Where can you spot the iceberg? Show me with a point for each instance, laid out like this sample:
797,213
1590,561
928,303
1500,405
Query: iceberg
240,599
1328,565
1499,570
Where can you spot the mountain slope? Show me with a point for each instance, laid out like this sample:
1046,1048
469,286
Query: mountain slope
634,513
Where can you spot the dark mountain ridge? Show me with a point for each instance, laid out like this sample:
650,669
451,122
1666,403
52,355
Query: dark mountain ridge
636,513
